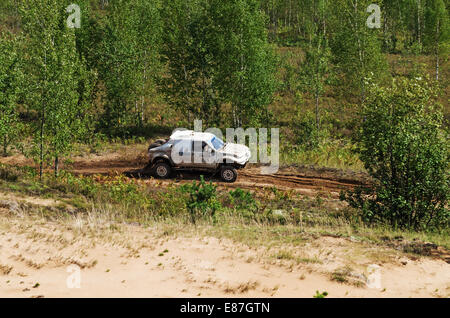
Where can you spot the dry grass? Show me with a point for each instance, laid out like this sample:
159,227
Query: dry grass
241,287
5,269
346,275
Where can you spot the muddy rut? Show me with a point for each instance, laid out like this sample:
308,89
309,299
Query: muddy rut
306,180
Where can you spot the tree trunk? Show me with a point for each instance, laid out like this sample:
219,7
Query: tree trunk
56,166
41,151
143,96
317,111
419,30
437,50
5,152
42,126
142,110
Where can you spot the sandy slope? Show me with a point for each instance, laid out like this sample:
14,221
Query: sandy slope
128,262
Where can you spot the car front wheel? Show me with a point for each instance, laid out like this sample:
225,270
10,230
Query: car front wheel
228,174
162,170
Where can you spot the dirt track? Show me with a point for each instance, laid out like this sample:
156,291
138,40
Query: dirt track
302,179
306,180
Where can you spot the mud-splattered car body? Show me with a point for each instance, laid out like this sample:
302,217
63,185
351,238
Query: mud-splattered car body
197,151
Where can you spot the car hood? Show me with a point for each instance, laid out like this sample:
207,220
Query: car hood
235,150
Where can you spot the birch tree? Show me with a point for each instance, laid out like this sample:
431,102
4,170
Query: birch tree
437,32
10,77
54,75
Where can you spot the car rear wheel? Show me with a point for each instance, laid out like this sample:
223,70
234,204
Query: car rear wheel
162,170
228,174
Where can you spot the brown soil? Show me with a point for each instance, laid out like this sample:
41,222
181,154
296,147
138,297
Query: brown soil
307,181
304,180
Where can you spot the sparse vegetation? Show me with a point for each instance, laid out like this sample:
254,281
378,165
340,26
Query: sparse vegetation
320,295
202,199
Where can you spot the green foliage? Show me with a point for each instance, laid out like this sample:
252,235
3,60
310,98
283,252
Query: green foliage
217,53
246,62
56,79
437,26
437,31
320,295
202,199
306,132
405,150
241,202
10,79
315,70
242,199
356,48
127,59
187,51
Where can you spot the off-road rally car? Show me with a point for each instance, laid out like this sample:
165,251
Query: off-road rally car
197,151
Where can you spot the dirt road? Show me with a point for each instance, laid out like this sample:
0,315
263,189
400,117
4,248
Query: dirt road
302,179
305,180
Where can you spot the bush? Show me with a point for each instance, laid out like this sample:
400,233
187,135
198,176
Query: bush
404,149
307,135
202,199
9,173
242,200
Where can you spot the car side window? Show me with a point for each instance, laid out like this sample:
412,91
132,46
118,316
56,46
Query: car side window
184,146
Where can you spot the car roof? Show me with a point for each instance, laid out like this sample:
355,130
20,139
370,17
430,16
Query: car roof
191,135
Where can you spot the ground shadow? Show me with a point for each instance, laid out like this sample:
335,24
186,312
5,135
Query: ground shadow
146,173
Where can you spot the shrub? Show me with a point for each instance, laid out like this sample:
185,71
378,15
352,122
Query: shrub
320,295
404,149
243,200
202,199
306,131
9,173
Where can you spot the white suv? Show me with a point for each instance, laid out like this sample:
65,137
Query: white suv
199,151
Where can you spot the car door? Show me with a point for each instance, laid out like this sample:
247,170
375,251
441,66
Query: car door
182,154
203,158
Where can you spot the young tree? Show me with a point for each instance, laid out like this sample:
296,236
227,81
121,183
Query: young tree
217,53
10,124
55,74
437,31
187,51
246,63
356,47
315,69
128,58
405,150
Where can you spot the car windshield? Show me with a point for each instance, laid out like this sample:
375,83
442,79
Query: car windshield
217,143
